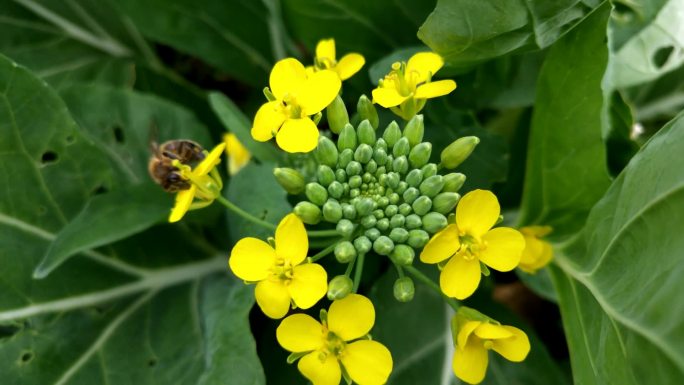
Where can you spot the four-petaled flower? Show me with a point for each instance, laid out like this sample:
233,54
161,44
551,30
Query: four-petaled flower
205,184
405,89
472,240
538,253
326,58
337,345
238,155
297,97
283,277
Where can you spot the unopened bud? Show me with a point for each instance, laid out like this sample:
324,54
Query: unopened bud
400,164
326,152
339,287
316,193
422,205
405,209
429,170
368,221
383,224
393,179
345,252
380,156
399,235
366,133
418,238
420,154
453,182
290,179
402,147
372,234
348,211
411,194
363,153
345,228
362,244
445,202
392,134
366,110
458,151
404,289
413,221
432,185
308,212
414,130
403,254
434,222
347,138
325,175
337,115
336,190
354,168
397,220
414,177
364,206
332,211
383,245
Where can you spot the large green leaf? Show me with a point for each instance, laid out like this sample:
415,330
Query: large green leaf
620,282
566,164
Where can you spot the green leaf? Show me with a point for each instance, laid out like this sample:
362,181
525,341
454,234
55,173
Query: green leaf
236,122
619,283
566,170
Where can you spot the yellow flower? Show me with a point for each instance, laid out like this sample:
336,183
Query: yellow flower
538,253
297,97
472,240
206,184
281,273
238,155
350,63
408,85
337,342
475,338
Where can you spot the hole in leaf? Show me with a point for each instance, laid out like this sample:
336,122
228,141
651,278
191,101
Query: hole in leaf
622,11
661,56
26,357
118,134
7,331
152,362
69,139
101,189
49,157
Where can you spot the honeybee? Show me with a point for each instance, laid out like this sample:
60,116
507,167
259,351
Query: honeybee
161,167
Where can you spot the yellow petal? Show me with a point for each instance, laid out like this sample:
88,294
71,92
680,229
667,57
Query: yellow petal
470,362
504,246
320,368
536,231
434,89
319,90
251,259
183,201
238,155
514,348
424,64
298,135
477,212
350,64
460,277
210,161
532,251
267,121
287,76
309,284
367,362
387,97
489,331
325,49
466,331
273,298
300,333
351,317
291,240
443,245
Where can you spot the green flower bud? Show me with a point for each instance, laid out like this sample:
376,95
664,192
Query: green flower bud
378,214
393,179
316,193
347,138
411,194
453,182
429,170
400,164
355,181
458,151
432,185
380,144
402,254
363,153
397,220
405,209
392,134
418,238
445,202
371,167
353,193
340,287
366,110
422,205
404,289
367,177
420,154
348,211
366,133
401,188
394,198
383,224
413,221
388,161
364,206
346,156
391,210
325,175
345,252
345,227
414,177
399,235
341,175
362,244
414,130
381,171
372,234
383,202
354,168
336,190
337,115
434,222
326,152
380,156
368,221
383,245
402,147
332,211
290,179
308,212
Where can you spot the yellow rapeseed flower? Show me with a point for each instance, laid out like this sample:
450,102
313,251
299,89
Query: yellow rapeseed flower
408,85
337,344
238,155
281,274
473,340
297,97
326,58
472,240
538,253
205,184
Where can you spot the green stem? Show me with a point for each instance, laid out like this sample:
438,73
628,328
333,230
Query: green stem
350,266
432,285
400,271
324,252
244,214
322,233
358,272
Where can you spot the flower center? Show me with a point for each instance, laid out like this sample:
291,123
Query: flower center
325,63
283,270
290,106
398,77
488,344
470,247
333,344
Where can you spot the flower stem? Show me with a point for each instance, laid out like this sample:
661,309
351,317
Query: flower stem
324,252
322,233
244,214
359,270
432,285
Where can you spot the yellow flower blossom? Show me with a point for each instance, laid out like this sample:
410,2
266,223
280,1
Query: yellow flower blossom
281,274
475,338
337,344
326,58
538,253
206,184
472,240
408,85
238,155
297,97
